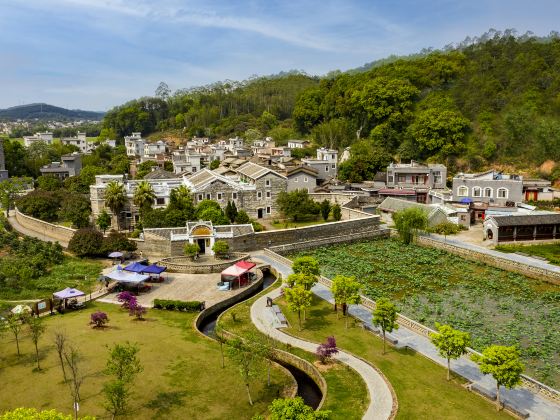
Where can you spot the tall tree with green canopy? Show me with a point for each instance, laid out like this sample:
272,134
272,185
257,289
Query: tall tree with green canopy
36,330
115,199
247,359
10,189
231,211
298,300
385,317
144,197
504,364
103,220
306,265
181,199
409,221
450,343
365,161
346,291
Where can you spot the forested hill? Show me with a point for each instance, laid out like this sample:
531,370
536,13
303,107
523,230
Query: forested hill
493,101
47,112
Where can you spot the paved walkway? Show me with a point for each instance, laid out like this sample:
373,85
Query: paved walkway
381,399
32,233
520,398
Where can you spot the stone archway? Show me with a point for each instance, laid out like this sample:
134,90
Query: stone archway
202,233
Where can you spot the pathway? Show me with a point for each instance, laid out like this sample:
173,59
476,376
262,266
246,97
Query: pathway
520,398
381,399
32,233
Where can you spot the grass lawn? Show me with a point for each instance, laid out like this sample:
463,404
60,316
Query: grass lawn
286,224
421,386
549,251
347,396
430,285
73,272
182,377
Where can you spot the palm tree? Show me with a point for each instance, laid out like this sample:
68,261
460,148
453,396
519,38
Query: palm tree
181,199
115,198
144,197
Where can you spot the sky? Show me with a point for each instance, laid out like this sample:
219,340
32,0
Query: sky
96,54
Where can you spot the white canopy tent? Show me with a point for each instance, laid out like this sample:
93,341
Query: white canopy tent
127,277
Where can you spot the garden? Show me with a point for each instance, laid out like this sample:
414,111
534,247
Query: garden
549,251
183,379
430,285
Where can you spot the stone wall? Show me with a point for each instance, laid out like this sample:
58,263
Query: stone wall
56,232
153,248
503,263
186,265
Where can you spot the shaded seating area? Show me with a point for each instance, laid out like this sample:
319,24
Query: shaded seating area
129,280
153,271
68,299
239,273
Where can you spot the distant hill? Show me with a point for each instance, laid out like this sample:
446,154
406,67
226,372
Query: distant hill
47,112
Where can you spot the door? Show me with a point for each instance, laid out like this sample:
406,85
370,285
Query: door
202,245
259,213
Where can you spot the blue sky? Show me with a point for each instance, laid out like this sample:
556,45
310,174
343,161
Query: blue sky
95,54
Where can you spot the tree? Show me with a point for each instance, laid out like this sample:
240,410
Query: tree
36,329
144,197
247,360
127,298
103,220
77,209
409,221
180,199
60,340
33,414
115,199
220,248
137,310
163,91
123,364
366,159
346,291
117,241
306,265
297,205
214,164
306,281
49,183
295,408
191,250
385,316
504,364
326,350
86,242
231,211
450,343
98,319
242,218
10,189
298,300
15,325
325,207
145,168
337,212
43,205
72,358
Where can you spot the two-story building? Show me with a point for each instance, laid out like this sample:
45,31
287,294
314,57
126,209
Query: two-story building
69,165
302,178
80,141
157,148
325,163
298,144
492,187
46,137
415,175
134,144
186,161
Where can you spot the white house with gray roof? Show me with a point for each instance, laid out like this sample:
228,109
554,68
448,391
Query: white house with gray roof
492,187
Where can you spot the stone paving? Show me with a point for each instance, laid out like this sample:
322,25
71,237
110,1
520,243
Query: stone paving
521,398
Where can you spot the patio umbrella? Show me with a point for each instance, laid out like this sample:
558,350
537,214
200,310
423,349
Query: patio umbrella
19,309
115,254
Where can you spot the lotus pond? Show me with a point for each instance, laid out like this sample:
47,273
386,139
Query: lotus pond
431,285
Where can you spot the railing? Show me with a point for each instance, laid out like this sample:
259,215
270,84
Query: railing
526,381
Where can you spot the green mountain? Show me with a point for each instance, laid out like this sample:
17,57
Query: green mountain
43,111
492,100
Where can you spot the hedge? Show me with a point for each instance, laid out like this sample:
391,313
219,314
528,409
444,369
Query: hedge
178,305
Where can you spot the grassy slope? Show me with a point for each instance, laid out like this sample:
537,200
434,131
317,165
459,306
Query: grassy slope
347,394
549,251
421,386
182,375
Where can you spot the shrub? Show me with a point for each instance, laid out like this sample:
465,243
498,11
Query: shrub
43,205
446,228
337,212
242,218
178,305
220,248
77,209
98,319
116,241
409,221
86,242
128,299
257,227
136,310
191,250
326,350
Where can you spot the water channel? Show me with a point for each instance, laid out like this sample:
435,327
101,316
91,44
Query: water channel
307,388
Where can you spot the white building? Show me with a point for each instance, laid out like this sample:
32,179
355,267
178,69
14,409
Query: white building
298,144
325,163
80,141
186,161
157,148
46,137
134,144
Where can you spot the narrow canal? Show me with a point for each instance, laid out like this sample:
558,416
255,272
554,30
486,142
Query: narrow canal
307,388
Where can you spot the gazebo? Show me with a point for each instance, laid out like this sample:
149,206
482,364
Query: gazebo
68,293
137,267
122,276
239,271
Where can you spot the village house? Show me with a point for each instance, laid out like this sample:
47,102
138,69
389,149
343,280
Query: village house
185,160
302,178
134,144
69,165
298,144
46,137
522,227
492,187
325,163
80,141
539,190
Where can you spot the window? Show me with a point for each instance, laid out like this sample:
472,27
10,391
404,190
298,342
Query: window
234,195
463,191
160,201
200,197
219,196
268,194
402,178
305,179
327,168
390,179
296,179
267,182
487,192
259,195
437,177
333,165
476,192
268,209
502,193
208,196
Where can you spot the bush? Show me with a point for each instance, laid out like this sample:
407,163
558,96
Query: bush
86,242
446,228
191,250
77,209
220,248
178,305
297,205
242,218
116,241
137,310
43,205
326,350
98,319
257,227
128,299
337,212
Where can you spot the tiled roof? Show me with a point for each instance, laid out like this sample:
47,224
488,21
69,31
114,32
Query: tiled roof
528,219
307,169
160,174
254,171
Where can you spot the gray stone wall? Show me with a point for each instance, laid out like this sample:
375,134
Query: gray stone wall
302,181
56,232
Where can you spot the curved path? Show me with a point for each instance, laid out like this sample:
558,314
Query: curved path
381,398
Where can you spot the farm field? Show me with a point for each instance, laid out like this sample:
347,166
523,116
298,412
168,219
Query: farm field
182,379
430,285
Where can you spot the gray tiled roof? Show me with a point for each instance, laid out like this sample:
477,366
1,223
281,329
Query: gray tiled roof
528,219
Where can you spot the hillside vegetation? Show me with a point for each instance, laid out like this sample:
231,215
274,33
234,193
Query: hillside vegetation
493,101
47,112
